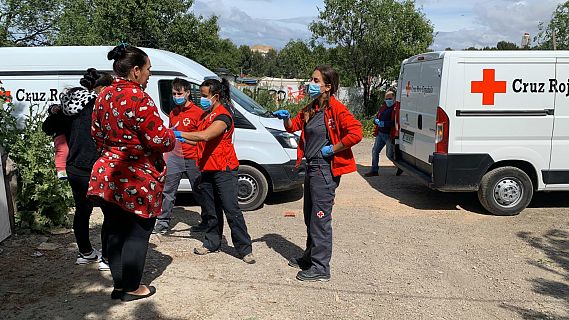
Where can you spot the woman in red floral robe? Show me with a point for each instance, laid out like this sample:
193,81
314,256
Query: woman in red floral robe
128,177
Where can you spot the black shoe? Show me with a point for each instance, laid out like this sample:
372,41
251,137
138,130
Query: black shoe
160,229
399,172
132,297
311,275
199,228
371,174
116,294
298,263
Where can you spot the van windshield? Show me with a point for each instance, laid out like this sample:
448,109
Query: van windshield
249,104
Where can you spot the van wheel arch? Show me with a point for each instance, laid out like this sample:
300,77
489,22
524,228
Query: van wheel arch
525,166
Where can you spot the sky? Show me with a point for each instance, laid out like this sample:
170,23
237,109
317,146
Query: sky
458,24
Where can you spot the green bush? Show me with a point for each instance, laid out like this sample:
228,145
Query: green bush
368,126
43,201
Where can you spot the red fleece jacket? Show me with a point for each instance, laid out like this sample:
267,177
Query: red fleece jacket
342,127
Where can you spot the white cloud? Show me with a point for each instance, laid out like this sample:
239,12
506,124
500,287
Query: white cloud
496,20
242,28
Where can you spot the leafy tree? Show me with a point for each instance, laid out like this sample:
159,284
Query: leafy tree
164,24
558,27
27,22
505,45
372,37
296,60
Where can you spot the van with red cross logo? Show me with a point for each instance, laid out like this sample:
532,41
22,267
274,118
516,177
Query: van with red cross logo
492,122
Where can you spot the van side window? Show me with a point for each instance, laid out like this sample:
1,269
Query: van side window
165,91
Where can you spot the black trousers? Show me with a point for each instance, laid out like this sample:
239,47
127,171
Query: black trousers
83,209
127,245
219,191
319,193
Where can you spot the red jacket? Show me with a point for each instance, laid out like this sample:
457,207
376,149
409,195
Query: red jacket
342,127
186,119
131,138
217,154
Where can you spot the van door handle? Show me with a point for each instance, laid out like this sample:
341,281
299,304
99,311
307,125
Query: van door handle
420,122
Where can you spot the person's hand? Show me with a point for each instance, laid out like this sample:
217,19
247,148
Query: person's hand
378,122
181,139
282,114
327,151
381,124
178,134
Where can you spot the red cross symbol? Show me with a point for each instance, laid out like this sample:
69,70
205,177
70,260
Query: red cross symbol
488,87
320,214
408,88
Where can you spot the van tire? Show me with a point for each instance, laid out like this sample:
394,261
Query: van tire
252,187
505,191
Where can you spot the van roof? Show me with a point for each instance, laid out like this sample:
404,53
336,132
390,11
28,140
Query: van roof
488,53
73,59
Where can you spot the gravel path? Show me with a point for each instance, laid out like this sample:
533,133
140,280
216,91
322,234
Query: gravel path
401,251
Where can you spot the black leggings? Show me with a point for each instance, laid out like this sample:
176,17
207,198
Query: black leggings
127,244
83,210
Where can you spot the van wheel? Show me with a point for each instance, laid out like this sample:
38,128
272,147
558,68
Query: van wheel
505,191
253,188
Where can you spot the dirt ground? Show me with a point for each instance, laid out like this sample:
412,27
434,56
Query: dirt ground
401,251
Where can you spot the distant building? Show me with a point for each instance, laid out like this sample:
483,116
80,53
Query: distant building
262,49
525,41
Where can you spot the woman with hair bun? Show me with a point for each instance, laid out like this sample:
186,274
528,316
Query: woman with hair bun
128,177
218,162
77,103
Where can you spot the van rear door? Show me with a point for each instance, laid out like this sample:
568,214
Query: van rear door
557,177
420,89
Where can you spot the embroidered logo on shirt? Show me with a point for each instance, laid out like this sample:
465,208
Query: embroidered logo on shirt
187,121
320,214
332,124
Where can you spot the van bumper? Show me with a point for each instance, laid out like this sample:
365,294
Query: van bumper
451,172
285,176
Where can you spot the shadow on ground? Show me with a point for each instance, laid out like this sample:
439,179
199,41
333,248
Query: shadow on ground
554,244
53,287
411,192
281,245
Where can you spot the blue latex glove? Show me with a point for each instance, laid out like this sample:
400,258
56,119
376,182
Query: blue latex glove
181,139
378,123
327,151
178,134
282,114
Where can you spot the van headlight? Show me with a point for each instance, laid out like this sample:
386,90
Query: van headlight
287,140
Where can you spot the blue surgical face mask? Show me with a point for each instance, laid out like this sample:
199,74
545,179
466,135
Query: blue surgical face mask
180,101
389,102
313,90
205,103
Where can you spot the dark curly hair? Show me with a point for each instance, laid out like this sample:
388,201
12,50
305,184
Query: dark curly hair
93,79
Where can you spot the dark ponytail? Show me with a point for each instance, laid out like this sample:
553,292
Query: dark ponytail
126,57
220,88
93,79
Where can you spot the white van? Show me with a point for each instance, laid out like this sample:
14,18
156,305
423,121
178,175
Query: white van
495,122
267,154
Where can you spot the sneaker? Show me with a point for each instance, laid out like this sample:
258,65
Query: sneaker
202,227
298,263
201,251
371,174
61,175
104,265
94,256
249,259
311,275
160,228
